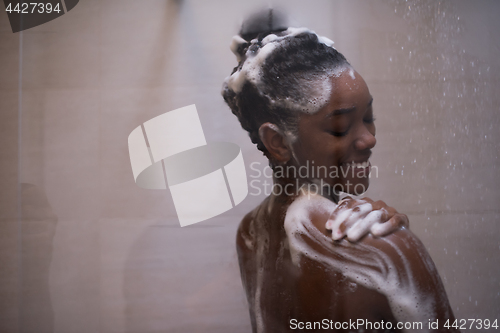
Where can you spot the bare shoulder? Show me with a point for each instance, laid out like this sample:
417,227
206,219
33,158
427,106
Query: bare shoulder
416,275
244,237
397,266
244,227
410,258
246,234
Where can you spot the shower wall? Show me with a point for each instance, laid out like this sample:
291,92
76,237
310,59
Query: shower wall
84,249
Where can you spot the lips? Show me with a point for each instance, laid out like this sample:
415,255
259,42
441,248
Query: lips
356,167
360,165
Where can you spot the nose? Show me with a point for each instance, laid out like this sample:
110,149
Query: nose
366,140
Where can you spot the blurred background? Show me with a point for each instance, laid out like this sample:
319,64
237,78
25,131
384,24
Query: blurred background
83,249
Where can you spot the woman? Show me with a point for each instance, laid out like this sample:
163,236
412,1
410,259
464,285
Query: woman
308,110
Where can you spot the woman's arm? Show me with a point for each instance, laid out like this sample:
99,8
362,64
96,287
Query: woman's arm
396,266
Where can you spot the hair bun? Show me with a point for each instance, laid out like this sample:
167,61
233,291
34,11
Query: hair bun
263,23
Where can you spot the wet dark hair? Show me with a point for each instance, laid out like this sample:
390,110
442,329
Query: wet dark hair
285,75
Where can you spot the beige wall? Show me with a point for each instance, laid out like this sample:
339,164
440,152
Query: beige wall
92,252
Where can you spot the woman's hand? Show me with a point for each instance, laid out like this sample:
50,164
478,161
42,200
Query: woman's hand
355,218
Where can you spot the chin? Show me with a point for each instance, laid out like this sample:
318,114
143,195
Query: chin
357,186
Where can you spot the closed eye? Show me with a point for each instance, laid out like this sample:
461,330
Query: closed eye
339,133
369,120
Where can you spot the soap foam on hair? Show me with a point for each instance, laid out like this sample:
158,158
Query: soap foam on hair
318,86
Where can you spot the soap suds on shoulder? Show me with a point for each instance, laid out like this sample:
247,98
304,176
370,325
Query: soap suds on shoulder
352,74
361,263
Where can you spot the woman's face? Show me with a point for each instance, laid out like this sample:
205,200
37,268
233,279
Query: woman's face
335,142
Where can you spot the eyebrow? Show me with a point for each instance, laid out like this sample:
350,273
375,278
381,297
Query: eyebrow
345,110
340,111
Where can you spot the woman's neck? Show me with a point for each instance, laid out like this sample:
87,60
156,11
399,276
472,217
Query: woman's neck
292,187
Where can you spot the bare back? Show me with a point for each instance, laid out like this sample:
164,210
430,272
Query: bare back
293,272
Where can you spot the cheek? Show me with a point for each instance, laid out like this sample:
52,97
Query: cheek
308,153
328,152
336,149
321,147
307,146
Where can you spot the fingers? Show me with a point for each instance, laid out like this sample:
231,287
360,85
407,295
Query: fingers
379,204
355,218
382,205
342,209
344,219
405,222
395,222
367,200
362,228
337,225
347,202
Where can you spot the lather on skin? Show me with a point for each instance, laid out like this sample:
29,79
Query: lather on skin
301,255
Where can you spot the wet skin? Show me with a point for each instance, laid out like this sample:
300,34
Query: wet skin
314,291
340,133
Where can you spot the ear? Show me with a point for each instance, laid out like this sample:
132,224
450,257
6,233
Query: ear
274,140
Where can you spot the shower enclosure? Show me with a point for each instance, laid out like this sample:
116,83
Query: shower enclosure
84,249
